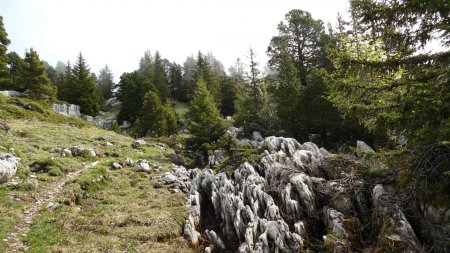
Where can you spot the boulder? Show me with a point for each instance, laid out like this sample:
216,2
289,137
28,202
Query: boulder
142,166
116,166
129,161
8,166
138,143
363,148
69,110
169,178
256,136
10,93
125,124
83,152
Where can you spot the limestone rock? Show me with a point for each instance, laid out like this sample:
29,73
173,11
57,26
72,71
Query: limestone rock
138,143
81,151
363,148
116,166
8,166
11,93
129,161
142,166
69,110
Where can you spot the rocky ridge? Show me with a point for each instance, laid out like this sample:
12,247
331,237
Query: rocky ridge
293,200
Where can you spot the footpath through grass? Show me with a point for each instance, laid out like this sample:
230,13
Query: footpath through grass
100,210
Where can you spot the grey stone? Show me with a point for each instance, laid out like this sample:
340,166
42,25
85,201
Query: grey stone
69,110
8,166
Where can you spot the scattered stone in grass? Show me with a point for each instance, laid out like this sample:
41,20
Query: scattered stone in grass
138,143
129,161
157,186
142,166
116,166
108,144
169,178
174,190
161,146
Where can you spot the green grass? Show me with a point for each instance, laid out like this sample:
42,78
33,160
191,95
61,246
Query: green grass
180,108
101,210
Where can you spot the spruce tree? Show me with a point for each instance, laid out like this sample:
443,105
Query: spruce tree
204,121
83,91
159,78
131,90
171,119
36,81
5,78
152,120
105,83
287,94
16,64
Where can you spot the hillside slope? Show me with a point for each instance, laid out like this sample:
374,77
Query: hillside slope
82,205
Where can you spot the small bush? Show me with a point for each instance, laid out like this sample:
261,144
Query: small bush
50,166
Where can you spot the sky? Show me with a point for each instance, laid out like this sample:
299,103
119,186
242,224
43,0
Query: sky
118,32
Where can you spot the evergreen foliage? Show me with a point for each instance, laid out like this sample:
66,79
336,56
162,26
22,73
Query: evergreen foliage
16,64
159,78
4,42
152,120
132,88
204,121
105,83
34,78
79,87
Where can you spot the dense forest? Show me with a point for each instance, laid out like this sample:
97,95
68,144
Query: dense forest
372,77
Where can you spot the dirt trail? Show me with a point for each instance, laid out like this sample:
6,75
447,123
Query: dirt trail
13,240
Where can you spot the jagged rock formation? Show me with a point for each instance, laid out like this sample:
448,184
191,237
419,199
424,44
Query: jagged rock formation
69,110
296,199
8,166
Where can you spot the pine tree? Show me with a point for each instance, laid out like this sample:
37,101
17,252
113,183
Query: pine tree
152,119
16,64
82,90
303,37
204,121
171,119
132,88
5,78
287,94
203,71
33,76
65,83
159,78
177,89
105,83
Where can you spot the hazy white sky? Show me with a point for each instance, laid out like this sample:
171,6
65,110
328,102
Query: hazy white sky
118,32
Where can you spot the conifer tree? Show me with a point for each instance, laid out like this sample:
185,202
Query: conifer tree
171,119
204,121
152,120
82,89
16,64
65,83
177,89
4,42
159,78
132,88
287,94
105,83
33,76
203,71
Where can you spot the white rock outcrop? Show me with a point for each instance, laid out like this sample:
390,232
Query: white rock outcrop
69,110
8,166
